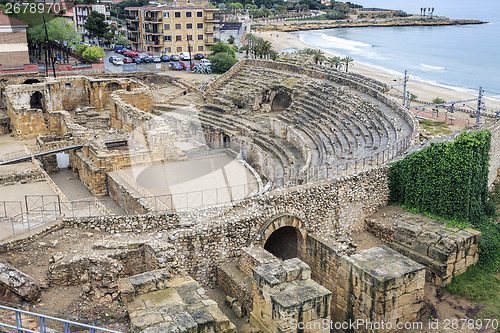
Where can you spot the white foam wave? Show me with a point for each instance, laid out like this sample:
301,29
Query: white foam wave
432,67
345,44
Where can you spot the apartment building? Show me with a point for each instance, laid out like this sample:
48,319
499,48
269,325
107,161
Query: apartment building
170,30
81,12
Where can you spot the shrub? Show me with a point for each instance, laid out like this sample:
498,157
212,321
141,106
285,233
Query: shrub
222,62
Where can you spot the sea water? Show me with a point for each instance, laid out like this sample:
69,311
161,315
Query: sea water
461,57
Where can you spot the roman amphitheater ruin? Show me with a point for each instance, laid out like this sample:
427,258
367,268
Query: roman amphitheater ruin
251,186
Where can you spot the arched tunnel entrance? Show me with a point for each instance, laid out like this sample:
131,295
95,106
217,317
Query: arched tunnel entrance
36,100
281,101
284,243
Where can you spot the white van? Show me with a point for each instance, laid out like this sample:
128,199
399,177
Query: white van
184,56
205,62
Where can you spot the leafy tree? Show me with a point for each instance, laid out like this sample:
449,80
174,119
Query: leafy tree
347,61
235,48
93,53
221,47
95,24
281,9
80,48
438,100
222,62
231,39
122,40
273,55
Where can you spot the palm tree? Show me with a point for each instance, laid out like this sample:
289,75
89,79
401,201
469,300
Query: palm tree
333,62
319,56
307,51
425,9
432,11
347,61
421,10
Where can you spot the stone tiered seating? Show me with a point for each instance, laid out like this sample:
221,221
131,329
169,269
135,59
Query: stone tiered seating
243,85
331,124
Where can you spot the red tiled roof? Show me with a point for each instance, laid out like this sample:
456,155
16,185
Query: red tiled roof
7,20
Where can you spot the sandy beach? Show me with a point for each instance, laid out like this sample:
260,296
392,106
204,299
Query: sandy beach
424,91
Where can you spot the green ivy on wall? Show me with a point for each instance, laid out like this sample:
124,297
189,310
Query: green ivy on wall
447,179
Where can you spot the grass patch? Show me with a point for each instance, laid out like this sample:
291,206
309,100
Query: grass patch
479,285
481,282
289,82
436,127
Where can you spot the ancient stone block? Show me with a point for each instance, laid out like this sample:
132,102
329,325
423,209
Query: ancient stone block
19,283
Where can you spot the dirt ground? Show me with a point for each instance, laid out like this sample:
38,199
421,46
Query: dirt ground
65,301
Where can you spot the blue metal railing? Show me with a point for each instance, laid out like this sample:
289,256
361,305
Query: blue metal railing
18,327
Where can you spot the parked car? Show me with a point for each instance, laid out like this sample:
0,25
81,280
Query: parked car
128,61
112,58
174,57
137,60
119,48
117,62
165,58
205,62
185,64
198,56
156,59
184,56
175,66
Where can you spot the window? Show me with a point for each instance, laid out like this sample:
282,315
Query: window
189,25
167,38
177,14
67,85
166,26
200,37
189,14
166,15
199,25
178,49
189,37
200,48
178,26
199,14
178,38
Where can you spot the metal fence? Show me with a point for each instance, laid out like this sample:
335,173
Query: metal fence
36,210
194,199
19,321
314,173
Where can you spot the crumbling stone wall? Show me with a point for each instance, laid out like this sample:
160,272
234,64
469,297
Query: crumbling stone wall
127,199
285,296
28,176
494,153
67,92
445,253
91,175
219,232
370,285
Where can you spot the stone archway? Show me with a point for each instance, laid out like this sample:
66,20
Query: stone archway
112,86
281,100
284,236
36,100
